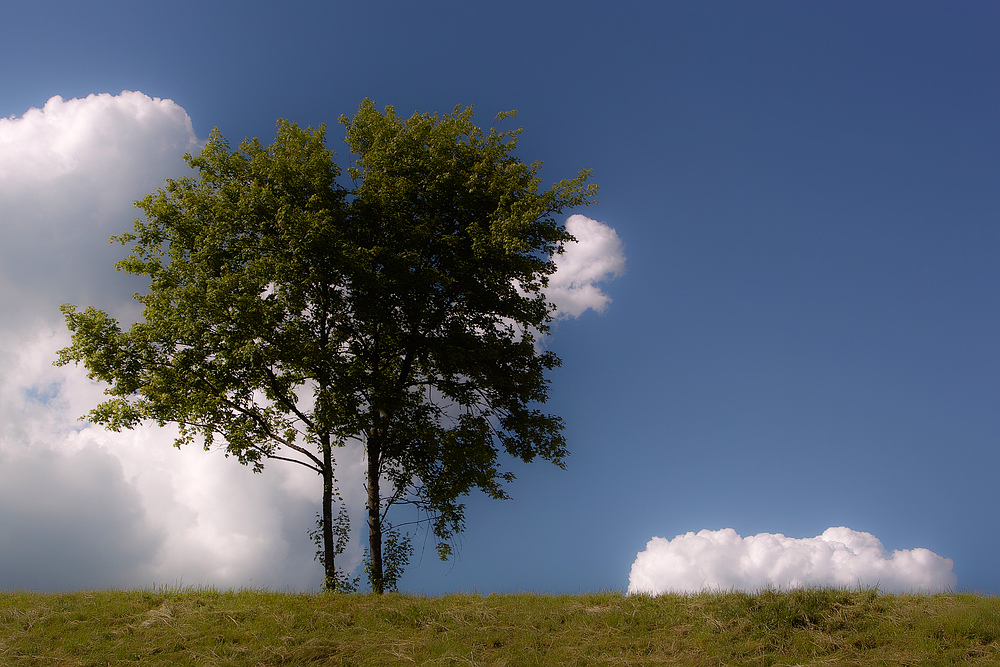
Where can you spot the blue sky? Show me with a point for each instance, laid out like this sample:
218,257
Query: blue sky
806,333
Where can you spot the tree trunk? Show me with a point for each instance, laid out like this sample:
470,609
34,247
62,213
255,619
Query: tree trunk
329,546
374,517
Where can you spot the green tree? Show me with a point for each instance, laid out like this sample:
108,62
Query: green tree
288,314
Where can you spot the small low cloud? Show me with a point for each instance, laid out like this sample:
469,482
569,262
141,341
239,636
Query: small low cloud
595,257
840,557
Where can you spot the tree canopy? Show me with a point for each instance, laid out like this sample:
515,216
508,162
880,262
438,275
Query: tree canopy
289,313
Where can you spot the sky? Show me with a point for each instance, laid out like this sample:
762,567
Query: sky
778,329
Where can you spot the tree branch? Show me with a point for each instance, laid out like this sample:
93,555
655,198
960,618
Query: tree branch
287,402
263,424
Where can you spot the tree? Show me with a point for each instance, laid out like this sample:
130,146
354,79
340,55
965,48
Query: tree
288,314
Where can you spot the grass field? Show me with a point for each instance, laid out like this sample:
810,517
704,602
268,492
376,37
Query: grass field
206,627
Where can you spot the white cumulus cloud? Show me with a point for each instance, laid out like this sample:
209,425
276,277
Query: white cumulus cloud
81,506
84,507
596,256
69,173
840,557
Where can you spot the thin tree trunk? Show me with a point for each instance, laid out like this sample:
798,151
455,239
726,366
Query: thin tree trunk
374,517
329,547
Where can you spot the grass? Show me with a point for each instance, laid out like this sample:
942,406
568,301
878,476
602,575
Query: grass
208,627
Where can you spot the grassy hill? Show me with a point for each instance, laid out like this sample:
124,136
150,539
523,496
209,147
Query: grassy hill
206,627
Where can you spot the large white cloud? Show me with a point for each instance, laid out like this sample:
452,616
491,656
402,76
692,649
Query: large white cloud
840,557
68,175
81,506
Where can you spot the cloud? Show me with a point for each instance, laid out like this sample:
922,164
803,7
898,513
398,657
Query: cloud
83,507
80,506
70,518
596,256
840,557
69,173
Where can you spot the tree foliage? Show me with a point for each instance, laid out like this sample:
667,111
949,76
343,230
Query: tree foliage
288,314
